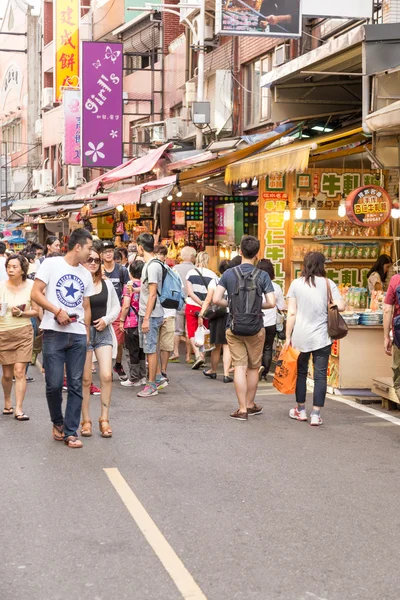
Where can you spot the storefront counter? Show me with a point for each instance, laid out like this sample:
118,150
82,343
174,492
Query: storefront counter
358,358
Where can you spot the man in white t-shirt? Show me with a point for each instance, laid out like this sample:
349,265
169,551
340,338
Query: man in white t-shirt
62,288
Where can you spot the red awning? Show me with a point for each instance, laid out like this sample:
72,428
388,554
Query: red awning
135,166
132,194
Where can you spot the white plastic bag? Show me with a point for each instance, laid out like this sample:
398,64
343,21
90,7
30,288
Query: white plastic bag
199,336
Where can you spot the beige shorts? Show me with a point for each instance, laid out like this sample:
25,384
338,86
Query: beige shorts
246,351
167,334
180,323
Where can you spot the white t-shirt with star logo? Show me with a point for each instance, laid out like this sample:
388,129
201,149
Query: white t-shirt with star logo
66,287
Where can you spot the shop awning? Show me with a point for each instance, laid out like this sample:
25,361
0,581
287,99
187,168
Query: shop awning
133,194
135,166
31,203
220,163
156,194
52,210
292,157
310,60
385,119
190,161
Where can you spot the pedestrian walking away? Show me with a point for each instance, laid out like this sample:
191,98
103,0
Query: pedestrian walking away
105,308
119,277
16,332
249,291
197,281
151,313
188,256
129,325
62,288
307,331
217,325
391,328
270,317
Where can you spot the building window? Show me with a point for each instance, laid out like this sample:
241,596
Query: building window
12,137
257,102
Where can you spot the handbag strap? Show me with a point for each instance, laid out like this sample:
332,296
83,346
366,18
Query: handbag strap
202,278
328,292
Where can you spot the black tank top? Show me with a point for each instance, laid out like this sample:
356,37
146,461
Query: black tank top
98,303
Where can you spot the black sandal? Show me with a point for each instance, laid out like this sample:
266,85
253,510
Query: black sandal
8,411
21,417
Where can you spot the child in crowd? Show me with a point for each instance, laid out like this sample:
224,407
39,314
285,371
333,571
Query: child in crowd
129,323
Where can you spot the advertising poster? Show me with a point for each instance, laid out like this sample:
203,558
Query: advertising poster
66,68
266,18
102,126
72,127
342,9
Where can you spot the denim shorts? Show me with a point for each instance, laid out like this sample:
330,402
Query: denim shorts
99,338
148,341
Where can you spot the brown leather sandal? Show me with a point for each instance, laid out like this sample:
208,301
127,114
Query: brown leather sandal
105,430
86,429
73,442
58,433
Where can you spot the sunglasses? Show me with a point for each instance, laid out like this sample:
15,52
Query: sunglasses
96,261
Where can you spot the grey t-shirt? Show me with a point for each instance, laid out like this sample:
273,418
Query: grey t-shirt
311,327
152,273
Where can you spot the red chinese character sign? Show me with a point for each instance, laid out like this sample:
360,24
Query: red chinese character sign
368,206
66,18
102,124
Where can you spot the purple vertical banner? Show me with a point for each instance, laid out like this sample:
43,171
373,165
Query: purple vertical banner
102,102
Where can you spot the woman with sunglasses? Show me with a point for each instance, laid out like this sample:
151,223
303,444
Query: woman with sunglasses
105,309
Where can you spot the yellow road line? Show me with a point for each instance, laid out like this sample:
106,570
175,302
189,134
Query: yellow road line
165,553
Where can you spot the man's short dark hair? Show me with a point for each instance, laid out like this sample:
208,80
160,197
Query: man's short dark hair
236,261
161,249
266,265
36,246
249,246
78,236
123,251
117,255
146,241
2,248
136,268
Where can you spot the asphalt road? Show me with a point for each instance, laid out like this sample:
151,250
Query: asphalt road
269,509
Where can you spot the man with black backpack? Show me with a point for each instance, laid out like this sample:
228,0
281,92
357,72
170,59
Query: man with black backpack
249,291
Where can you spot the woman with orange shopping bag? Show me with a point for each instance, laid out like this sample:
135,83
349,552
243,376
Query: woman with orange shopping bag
307,332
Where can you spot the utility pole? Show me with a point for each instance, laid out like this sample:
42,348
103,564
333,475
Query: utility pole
197,35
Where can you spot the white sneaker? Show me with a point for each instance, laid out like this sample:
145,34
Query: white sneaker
299,415
129,383
315,420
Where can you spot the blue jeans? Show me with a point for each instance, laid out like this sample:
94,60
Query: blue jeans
61,349
148,341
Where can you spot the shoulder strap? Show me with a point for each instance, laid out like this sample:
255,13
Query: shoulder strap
202,278
328,291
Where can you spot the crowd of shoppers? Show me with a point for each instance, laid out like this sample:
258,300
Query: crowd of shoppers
96,301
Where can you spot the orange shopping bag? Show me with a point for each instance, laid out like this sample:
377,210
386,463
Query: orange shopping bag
286,371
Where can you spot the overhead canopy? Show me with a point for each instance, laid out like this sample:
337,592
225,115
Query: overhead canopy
385,119
294,156
156,194
32,203
52,210
133,194
178,165
135,166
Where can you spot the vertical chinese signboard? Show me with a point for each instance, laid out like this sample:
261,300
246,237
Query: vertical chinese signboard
101,84
72,127
275,234
66,19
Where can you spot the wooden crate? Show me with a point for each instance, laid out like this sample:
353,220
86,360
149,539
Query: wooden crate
383,386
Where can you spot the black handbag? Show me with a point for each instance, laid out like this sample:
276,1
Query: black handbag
214,311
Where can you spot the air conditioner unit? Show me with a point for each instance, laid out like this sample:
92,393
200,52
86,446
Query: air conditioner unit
281,55
75,176
190,92
47,97
173,128
157,134
208,30
42,180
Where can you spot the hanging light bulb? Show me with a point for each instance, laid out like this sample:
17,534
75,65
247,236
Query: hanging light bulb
120,208
221,253
286,214
170,197
179,193
243,185
342,207
160,200
148,203
299,209
313,209
395,213
254,182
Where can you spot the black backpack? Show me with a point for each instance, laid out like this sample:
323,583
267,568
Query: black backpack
245,307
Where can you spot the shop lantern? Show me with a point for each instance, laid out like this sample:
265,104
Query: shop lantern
299,209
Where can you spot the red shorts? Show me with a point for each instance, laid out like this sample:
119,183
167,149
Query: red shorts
192,316
120,335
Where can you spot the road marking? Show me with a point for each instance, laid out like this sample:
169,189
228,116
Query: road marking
165,553
370,411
